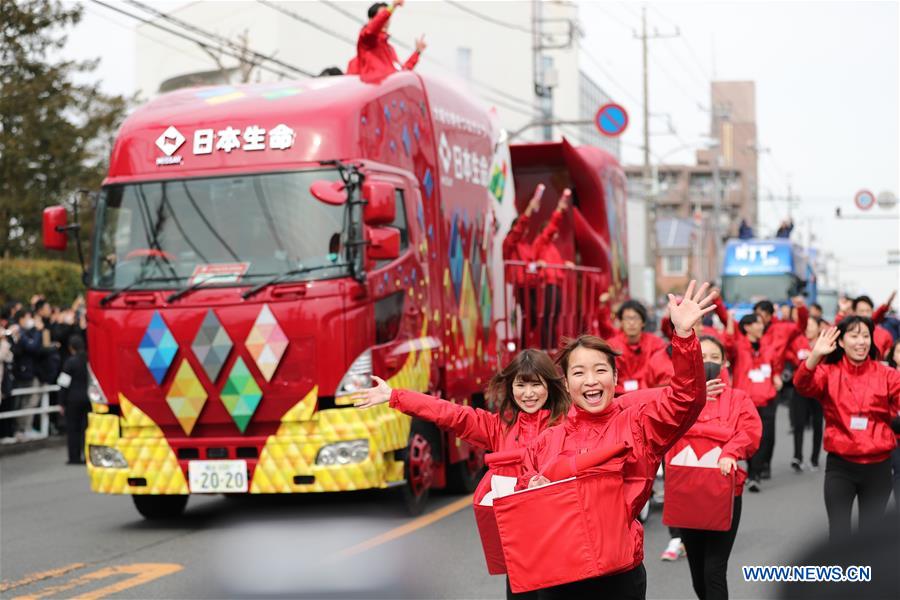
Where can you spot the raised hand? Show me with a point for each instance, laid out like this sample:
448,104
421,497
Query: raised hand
420,44
825,344
690,310
535,203
565,200
890,299
373,396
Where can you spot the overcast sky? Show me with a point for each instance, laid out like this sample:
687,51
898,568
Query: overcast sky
826,78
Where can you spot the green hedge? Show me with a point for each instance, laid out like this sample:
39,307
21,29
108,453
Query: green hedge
58,281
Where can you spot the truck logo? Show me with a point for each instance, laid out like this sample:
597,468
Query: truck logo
445,152
748,253
170,141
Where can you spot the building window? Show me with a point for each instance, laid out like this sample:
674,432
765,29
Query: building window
675,265
464,62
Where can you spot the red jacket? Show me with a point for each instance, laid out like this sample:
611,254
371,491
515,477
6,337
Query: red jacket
516,248
659,370
752,370
375,57
730,422
634,365
797,350
648,427
779,335
474,425
870,390
546,250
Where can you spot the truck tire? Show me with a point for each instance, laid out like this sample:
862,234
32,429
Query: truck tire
160,507
463,477
418,470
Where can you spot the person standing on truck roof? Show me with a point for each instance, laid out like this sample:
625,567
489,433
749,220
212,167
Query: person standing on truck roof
546,252
862,306
638,348
524,280
530,395
646,424
860,397
375,57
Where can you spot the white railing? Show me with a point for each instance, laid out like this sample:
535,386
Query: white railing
44,409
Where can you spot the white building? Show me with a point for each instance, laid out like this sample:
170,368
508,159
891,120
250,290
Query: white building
487,45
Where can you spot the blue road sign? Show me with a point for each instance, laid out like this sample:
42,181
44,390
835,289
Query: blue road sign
864,199
611,119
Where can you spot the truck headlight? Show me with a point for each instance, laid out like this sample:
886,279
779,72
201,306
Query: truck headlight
94,391
343,453
109,458
358,376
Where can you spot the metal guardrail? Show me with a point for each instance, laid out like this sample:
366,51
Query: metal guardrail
44,409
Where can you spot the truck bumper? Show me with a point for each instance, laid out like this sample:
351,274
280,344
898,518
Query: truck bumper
286,462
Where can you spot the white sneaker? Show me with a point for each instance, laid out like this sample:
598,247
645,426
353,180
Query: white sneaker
31,434
673,551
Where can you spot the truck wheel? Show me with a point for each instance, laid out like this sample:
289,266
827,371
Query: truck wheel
419,472
160,507
463,477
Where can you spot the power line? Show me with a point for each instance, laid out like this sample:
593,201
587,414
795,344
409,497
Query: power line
200,43
703,73
599,67
489,19
302,19
613,16
346,13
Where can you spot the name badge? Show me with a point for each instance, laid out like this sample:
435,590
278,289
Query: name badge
630,385
859,423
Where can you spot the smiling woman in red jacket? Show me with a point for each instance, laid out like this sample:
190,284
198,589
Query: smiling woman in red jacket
729,421
646,428
859,396
530,395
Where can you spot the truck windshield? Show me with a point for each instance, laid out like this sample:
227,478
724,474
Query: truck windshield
752,288
222,230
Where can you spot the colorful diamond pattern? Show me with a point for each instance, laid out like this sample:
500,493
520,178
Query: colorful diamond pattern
211,345
428,183
186,397
158,347
456,257
241,395
266,343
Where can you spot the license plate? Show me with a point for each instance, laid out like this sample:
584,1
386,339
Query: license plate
217,476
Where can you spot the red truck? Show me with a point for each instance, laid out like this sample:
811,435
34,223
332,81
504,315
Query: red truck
260,251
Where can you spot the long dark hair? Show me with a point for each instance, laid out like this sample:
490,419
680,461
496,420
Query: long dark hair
592,342
851,323
530,366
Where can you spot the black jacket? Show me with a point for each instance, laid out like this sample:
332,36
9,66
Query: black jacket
75,393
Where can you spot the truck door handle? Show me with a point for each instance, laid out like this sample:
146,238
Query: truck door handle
140,299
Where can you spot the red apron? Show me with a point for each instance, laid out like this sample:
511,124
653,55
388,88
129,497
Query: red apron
507,464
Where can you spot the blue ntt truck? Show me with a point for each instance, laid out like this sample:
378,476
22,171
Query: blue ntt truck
771,269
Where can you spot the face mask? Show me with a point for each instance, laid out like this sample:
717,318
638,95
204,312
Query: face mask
29,324
712,370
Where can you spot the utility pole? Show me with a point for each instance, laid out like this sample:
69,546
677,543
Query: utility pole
649,200
544,75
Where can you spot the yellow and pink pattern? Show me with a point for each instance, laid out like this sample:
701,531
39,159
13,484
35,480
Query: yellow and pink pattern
266,343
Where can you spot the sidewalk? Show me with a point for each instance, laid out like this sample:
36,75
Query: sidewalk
9,446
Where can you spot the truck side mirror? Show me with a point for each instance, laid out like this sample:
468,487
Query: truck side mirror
380,208
55,224
329,192
384,243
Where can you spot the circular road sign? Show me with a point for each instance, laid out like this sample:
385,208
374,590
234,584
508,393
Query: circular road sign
887,200
864,199
611,119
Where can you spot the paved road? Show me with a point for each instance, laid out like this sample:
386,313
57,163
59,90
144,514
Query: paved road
57,540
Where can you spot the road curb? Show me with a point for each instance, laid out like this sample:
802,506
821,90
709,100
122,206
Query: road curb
31,445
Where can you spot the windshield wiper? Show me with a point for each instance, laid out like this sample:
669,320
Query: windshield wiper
116,293
185,291
287,275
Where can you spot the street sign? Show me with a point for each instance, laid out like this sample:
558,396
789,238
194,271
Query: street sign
864,199
887,200
611,119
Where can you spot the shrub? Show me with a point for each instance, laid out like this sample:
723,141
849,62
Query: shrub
58,281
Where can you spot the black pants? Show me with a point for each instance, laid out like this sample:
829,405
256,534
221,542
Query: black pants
707,554
804,410
76,424
846,481
628,585
763,456
552,306
511,595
